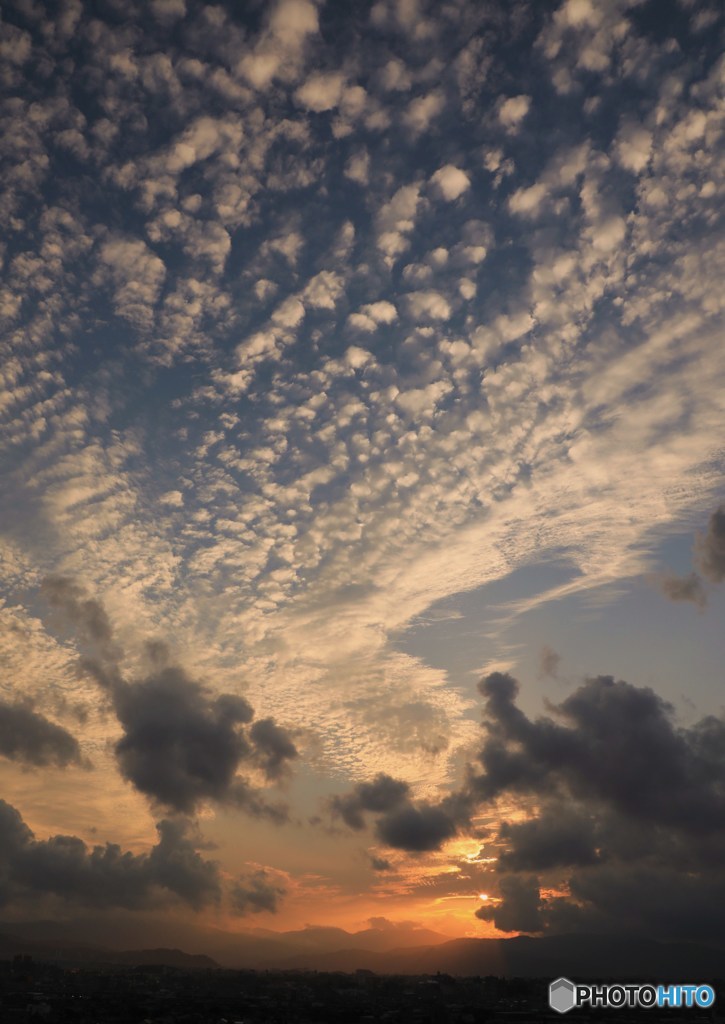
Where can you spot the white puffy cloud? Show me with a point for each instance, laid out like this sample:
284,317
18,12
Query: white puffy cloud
396,219
527,201
321,91
513,110
450,182
278,51
382,312
633,147
324,289
138,275
371,315
428,305
174,499
395,76
357,167
289,313
423,111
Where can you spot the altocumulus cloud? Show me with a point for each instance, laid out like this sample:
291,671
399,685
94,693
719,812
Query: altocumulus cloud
181,744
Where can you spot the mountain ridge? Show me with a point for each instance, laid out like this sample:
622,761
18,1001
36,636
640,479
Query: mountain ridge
595,956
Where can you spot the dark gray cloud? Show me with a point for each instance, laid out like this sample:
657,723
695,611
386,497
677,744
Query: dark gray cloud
181,744
709,559
626,813
648,895
710,547
684,588
85,613
273,747
558,837
519,907
417,828
30,738
615,743
548,662
105,876
255,894
384,793
401,823
380,863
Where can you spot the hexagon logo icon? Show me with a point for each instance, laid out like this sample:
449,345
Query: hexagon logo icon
561,995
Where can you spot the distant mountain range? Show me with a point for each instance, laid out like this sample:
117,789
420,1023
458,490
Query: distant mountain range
69,953
590,956
333,949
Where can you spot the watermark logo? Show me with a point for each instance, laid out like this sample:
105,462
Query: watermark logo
564,995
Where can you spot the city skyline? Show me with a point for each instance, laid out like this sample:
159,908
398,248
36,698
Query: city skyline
362,528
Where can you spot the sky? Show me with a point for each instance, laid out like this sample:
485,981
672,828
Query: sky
362,525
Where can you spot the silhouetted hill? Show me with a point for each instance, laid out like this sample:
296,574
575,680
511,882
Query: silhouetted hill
574,955
164,958
257,947
333,949
66,952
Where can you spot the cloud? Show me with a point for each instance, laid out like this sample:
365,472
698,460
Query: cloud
382,794
357,167
280,47
618,746
450,182
526,201
104,876
709,559
29,738
518,909
396,219
168,10
401,824
332,494
428,305
273,747
684,588
633,147
548,662
710,547
394,76
557,837
614,795
423,111
371,315
417,828
324,289
513,110
181,745
137,274
256,894
380,863
85,613
322,91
